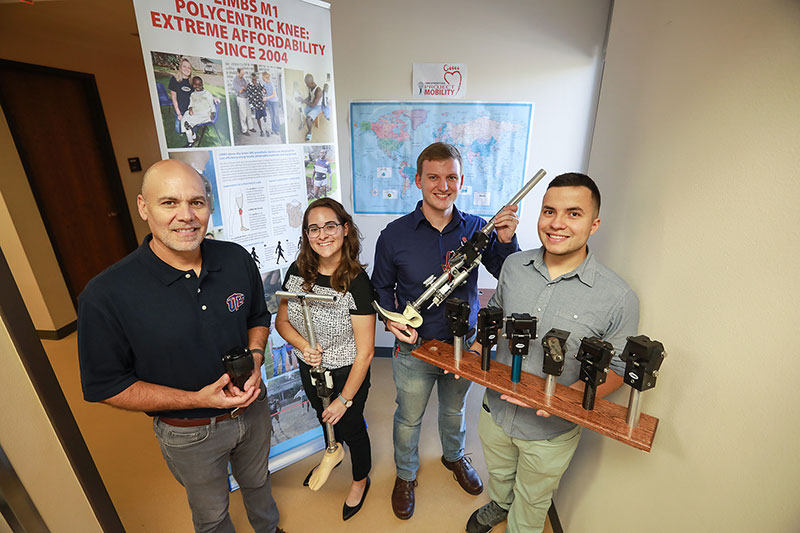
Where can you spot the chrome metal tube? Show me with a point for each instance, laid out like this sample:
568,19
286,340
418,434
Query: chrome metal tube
634,409
517,198
550,385
458,348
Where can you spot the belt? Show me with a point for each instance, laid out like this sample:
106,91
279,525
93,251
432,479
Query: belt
194,422
423,341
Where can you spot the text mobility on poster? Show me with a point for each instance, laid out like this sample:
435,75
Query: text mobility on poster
439,80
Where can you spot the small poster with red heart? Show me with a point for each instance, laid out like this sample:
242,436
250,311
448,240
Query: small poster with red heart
439,80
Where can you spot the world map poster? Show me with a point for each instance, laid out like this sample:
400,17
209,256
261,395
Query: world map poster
387,137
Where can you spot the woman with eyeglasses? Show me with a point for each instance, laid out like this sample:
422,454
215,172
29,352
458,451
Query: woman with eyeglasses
328,263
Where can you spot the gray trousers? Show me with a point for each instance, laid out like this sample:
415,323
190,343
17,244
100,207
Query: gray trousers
198,458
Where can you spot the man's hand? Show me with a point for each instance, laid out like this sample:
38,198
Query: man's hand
404,332
313,356
223,395
539,412
334,412
253,381
506,223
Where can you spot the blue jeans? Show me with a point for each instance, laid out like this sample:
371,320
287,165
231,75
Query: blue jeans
198,458
414,380
273,113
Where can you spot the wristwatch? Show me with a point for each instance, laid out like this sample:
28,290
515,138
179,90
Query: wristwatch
347,403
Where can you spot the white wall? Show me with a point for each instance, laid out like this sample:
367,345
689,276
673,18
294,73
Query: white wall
545,52
34,450
696,151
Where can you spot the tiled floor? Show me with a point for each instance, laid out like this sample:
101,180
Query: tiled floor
149,499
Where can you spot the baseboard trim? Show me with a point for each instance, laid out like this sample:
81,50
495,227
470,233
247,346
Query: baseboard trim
60,333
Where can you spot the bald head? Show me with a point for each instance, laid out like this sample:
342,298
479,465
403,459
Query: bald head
173,202
163,170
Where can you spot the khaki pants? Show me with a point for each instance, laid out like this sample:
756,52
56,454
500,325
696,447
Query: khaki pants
523,474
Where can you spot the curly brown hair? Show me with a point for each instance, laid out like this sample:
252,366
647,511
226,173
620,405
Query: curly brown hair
349,266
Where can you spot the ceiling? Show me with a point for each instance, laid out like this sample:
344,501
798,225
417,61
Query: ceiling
108,22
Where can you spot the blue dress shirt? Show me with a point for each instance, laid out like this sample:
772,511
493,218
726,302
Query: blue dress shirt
410,249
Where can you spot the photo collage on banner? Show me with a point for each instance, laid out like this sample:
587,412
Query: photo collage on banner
243,92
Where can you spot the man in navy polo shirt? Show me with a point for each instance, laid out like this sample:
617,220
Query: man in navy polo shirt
408,251
152,330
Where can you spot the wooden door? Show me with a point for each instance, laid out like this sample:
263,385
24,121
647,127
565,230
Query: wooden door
57,123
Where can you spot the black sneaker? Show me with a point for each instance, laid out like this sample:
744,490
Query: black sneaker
484,519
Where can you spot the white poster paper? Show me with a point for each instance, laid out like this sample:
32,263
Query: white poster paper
243,91
439,80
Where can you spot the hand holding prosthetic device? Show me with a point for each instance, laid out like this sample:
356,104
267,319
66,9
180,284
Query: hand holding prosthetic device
322,380
643,358
239,366
463,261
520,331
554,345
490,320
595,356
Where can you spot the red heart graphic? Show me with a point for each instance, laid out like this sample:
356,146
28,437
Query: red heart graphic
453,74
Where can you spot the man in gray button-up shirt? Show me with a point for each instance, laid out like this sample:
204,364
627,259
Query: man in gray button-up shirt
565,287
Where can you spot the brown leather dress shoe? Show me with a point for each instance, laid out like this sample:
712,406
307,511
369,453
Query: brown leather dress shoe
466,476
403,498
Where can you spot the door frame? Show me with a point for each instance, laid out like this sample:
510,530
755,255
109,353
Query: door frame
14,315
109,162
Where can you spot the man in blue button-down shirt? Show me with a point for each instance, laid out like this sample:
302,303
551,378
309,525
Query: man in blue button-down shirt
408,251
565,287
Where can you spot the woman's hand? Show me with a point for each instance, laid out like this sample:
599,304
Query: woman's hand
334,412
313,356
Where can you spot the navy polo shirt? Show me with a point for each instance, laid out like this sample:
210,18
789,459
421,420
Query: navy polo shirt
410,249
143,320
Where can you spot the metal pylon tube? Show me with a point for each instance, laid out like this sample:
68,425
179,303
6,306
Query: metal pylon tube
458,348
634,408
550,385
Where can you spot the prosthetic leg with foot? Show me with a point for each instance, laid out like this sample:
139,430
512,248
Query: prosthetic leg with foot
322,380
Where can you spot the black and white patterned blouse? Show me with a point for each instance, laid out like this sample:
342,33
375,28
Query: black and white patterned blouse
332,324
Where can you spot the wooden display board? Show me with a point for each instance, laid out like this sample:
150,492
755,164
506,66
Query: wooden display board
607,418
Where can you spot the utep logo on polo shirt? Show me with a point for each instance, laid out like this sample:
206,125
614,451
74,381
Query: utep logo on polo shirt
235,301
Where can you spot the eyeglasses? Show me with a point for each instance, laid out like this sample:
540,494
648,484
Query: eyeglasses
330,229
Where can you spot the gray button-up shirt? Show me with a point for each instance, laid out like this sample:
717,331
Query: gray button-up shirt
590,301
239,84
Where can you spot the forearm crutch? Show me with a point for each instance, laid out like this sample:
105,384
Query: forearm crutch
322,379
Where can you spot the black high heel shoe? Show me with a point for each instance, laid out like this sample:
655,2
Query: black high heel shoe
349,512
